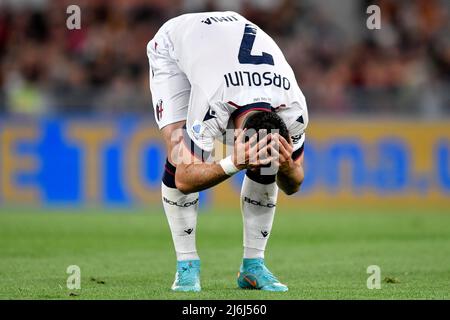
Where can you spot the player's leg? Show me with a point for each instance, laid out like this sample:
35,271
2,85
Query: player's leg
258,201
181,213
170,94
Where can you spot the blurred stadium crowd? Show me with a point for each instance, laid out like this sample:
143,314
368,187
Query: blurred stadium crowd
402,69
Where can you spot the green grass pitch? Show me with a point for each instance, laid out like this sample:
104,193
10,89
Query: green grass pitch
318,253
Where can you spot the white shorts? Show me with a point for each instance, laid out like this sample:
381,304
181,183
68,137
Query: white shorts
169,86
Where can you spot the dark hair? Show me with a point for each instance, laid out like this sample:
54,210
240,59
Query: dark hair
268,121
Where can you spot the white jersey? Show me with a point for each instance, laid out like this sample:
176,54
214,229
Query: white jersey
207,68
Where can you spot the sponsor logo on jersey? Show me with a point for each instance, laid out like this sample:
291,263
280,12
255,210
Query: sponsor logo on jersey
296,138
197,129
182,205
210,114
259,203
257,79
159,110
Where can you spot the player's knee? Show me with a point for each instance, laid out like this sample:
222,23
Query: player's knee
302,178
181,186
293,189
172,135
299,183
172,180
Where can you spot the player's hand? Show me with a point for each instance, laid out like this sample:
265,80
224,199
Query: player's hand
282,150
252,153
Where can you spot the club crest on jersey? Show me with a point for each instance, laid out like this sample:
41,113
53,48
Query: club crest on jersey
159,110
197,129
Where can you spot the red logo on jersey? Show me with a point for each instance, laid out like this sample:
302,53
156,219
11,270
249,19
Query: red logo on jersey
159,110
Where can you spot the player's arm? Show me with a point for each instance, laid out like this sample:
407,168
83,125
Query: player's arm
290,174
193,175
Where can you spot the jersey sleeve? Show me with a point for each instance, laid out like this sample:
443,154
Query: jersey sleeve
205,122
297,131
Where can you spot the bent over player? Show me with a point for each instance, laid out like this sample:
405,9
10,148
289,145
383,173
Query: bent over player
210,72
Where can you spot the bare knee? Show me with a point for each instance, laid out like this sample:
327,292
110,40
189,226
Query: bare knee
172,136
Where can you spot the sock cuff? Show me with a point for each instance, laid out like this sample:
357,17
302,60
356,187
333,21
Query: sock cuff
257,177
169,175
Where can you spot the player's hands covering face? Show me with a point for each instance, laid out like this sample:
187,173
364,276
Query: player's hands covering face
251,153
281,150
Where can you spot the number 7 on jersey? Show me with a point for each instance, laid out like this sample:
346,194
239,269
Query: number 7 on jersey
245,55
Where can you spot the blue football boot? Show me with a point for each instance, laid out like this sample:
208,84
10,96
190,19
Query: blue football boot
253,274
187,278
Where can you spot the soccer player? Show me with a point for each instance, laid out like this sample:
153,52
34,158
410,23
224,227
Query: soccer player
210,72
